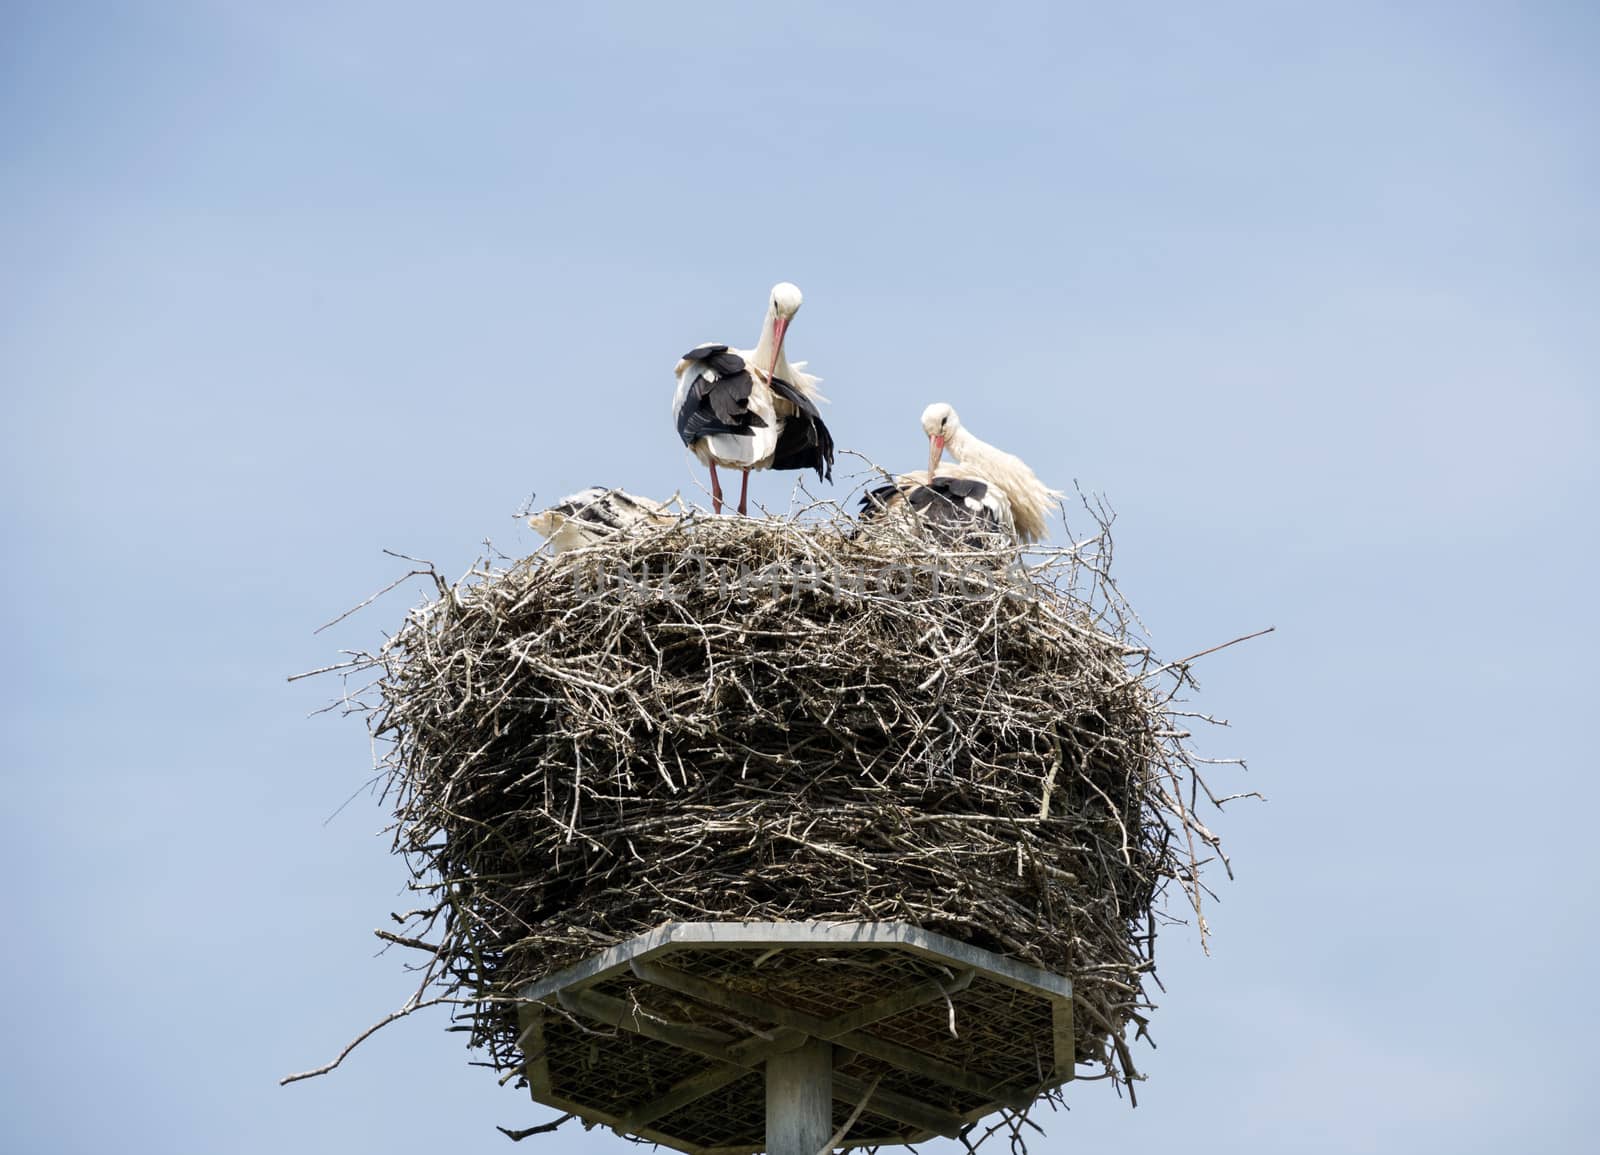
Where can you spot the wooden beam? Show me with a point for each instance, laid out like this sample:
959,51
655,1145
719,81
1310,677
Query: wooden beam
863,1016
903,1108
535,1051
800,1100
899,1003
747,1056
684,1092
906,1058
807,935
743,1058
616,1013
1066,1047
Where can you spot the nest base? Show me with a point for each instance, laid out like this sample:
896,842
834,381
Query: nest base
670,1036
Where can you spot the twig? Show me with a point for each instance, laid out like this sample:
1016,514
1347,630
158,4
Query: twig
410,1007
838,1136
541,1129
1182,662
368,601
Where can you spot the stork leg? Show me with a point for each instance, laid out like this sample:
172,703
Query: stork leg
716,490
744,490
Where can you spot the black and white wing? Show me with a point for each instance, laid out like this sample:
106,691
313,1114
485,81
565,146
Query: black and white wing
714,395
803,439
965,511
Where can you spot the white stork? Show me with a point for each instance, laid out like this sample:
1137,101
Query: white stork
956,507
986,491
596,513
752,409
1031,500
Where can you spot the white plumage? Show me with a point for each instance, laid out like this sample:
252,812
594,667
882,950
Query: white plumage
750,409
596,513
752,446
1031,501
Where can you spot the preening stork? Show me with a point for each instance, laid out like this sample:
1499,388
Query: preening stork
957,507
984,491
1031,500
752,409
593,514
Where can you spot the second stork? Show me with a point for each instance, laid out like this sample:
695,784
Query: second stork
986,492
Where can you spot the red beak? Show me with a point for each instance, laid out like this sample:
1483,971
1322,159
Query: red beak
935,451
780,326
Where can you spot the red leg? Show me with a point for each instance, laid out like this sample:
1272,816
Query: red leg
744,489
716,490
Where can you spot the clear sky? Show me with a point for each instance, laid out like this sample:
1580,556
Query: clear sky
1308,292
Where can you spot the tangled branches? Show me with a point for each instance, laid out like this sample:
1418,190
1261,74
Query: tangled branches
773,720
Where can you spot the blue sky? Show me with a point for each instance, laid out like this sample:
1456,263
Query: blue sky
1307,292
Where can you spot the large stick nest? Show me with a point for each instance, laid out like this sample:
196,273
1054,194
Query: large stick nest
765,719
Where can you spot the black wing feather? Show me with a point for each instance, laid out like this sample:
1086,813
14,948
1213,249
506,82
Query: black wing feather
960,488
796,398
714,404
730,398
951,508
875,501
804,441
717,356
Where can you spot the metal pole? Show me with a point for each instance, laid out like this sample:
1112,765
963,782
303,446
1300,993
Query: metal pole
800,1100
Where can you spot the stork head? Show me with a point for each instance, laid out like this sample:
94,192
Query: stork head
786,299
546,522
785,304
940,423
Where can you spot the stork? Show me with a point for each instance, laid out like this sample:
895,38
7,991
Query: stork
957,507
752,409
1030,499
596,513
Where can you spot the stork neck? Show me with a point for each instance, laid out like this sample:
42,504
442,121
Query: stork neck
967,449
763,350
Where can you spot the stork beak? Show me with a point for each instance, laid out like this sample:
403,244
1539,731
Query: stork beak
935,451
780,326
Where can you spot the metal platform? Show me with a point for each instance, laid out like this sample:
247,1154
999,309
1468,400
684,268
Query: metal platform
712,1036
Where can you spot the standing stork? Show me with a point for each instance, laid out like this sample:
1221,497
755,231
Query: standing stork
1030,499
752,409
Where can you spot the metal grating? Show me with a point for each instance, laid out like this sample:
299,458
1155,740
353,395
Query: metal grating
664,1036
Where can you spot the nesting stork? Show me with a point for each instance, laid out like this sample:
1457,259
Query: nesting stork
956,507
1031,500
752,409
596,513
986,492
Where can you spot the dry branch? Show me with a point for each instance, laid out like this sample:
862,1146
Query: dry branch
765,719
